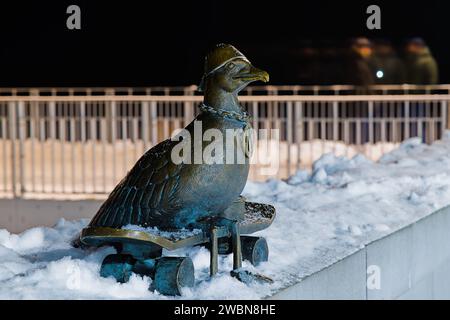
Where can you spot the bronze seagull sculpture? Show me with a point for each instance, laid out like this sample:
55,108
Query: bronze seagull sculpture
191,198
158,192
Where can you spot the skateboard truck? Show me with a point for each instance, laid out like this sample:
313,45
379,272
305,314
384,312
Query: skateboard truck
254,245
230,229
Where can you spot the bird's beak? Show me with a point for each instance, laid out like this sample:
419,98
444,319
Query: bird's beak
253,74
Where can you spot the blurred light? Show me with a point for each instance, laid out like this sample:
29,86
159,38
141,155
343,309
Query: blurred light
380,74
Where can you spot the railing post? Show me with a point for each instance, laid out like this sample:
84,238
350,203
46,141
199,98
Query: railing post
335,121
109,117
154,122
406,121
289,122
12,136
111,122
52,115
21,121
445,115
145,116
82,144
299,130
370,122
63,143
34,125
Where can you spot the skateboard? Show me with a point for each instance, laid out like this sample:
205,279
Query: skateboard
139,250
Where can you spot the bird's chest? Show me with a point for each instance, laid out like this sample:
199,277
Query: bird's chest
221,175
227,142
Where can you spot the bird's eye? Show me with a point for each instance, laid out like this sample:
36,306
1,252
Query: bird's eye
230,66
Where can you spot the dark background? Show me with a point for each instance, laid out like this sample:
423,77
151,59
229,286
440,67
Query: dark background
144,43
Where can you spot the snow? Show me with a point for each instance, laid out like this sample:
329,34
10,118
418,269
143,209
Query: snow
171,235
322,216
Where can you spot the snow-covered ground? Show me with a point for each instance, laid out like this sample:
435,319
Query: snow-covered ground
321,218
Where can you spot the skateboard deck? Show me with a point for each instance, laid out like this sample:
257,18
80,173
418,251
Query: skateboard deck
257,217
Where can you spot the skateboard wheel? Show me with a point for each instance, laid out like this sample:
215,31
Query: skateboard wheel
119,266
254,249
173,273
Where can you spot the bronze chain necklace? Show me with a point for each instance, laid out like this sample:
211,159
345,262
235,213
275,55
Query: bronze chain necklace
244,117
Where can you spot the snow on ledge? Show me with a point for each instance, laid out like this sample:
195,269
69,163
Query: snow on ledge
322,217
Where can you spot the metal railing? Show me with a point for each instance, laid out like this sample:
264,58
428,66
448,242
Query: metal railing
400,89
85,144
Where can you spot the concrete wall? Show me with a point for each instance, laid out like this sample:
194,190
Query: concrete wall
413,263
17,215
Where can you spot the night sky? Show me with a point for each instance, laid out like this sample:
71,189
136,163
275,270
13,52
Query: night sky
145,43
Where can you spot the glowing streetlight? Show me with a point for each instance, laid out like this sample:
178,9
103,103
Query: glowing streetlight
379,74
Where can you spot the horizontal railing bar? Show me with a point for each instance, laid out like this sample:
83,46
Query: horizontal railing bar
273,87
282,98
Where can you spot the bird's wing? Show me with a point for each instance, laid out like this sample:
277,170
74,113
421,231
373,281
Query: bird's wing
146,193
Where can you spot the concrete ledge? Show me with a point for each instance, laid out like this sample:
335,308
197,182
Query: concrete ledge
18,214
346,279
413,263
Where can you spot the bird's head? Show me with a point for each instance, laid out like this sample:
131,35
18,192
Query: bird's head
227,69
